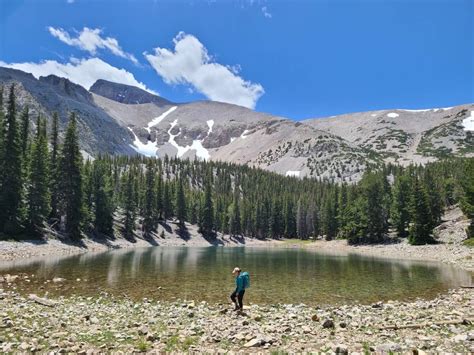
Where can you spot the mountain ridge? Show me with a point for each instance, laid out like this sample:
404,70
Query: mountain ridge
122,119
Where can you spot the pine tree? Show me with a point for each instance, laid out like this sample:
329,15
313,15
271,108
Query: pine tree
149,207
301,221
24,130
2,136
290,219
421,221
159,195
129,205
12,179
38,194
71,180
206,225
400,211
167,205
235,227
467,201
435,198
180,202
102,199
55,181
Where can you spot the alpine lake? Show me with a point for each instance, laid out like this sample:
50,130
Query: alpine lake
277,275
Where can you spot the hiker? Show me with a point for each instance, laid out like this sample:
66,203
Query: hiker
242,281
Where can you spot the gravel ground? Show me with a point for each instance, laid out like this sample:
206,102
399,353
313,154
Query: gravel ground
105,324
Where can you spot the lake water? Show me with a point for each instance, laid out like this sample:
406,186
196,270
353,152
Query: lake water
277,275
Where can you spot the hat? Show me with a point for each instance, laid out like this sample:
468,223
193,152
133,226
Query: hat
236,269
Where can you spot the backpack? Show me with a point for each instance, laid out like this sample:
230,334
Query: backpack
245,275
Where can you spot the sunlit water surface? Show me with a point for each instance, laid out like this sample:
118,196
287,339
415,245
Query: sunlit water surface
277,275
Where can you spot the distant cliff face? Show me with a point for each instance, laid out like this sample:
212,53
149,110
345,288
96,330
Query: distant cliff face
122,119
126,94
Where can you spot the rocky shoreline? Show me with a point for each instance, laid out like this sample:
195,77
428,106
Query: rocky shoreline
107,324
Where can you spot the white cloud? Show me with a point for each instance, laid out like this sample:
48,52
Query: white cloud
90,40
70,1
191,64
84,72
266,13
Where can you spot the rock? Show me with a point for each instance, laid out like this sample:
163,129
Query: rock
341,349
343,325
306,329
42,301
388,348
253,343
190,314
470,336
257,318
460,338
328,323
58,279
377,305
315,318
94,320
245,322
143,330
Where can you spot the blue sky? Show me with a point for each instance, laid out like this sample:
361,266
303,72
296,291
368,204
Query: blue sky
297,59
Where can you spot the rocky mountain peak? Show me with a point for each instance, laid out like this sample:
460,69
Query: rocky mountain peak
126,94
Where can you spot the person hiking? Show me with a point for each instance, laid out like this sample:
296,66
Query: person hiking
242,281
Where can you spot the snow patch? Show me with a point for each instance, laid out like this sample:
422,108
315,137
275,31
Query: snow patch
393,115
374,114
149,149
232,139
468,122
210,124
295,173
160,118
243,135
201,152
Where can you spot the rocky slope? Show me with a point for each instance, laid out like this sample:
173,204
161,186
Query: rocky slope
406,136
122,119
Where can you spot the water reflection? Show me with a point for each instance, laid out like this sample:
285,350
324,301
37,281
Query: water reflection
278,275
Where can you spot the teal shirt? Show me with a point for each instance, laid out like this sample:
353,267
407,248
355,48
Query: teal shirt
239,283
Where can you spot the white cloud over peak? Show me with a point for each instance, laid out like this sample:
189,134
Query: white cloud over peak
84,72
90,40
191,64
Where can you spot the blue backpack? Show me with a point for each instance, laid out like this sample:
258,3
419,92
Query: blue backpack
245,275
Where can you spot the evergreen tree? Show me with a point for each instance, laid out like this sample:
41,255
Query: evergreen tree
290,219
2,136
102,199
421,221
70,170
167,205
180,202
24,130
12,179
435,198
400,211
159,195
235,227
38,193
467,202
149,207
301,220
55,181
129,205
206,216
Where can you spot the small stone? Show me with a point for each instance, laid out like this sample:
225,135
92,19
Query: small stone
94,320
306,329
315,318
341,349
328,323
253,343
245,322
257,318
388,347
460,338
343,325
143,330
58,279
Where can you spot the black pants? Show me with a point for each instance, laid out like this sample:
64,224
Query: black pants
239,296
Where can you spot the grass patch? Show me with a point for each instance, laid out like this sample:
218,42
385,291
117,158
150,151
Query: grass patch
469,242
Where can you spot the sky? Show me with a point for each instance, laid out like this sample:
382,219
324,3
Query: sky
297,59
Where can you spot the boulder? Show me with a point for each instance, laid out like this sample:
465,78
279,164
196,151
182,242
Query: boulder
341,349
253,343
328,323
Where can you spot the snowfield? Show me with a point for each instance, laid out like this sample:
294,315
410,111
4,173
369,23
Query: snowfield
160,118
468,122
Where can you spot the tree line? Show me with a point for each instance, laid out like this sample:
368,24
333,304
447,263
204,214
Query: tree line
47,185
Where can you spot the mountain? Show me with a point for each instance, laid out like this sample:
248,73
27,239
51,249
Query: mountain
122,119
405,136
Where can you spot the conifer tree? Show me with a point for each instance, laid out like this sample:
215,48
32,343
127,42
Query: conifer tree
102,198
290,219
421,221
149,207
467,201
235,227
301,220
129,205
12,179
70,170
400,211
2,135
206,216
167,204
55,181
24,132
180,202
38,193
159,195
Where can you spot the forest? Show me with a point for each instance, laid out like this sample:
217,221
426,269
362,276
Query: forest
46,184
